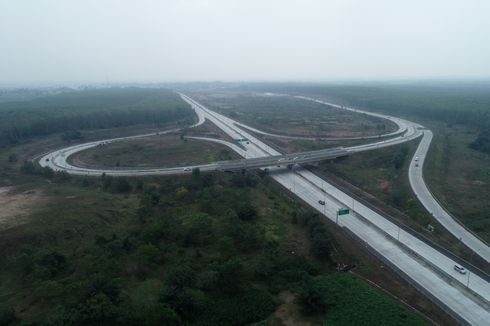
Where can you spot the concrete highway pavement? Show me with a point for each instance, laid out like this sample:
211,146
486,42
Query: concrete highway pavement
424,195
438,278
424,265
416,179
58,160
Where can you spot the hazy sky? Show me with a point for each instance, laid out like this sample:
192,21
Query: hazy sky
173,40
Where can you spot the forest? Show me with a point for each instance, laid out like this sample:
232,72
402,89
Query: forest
89,109
458,102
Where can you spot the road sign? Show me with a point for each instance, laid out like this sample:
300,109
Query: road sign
343,211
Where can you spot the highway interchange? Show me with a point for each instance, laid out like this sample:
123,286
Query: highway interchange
466,297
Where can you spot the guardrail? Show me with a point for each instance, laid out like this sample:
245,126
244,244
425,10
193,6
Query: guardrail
424,261
406,228
406,277
413,232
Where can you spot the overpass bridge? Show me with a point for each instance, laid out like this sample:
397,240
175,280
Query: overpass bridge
282,160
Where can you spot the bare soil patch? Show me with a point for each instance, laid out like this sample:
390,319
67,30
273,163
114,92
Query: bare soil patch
15,206
288,312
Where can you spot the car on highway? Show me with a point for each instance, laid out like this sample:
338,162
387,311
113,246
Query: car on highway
187,169
321,202
416,164
460,269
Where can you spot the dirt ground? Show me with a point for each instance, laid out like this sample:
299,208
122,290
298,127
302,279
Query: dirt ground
15,206
288,312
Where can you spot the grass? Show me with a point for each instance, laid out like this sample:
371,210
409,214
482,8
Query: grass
90,227
376,173
301,145
29,149
158,151
287,115
460,177
351,301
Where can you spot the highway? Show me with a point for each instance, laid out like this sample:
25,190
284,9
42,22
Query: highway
430,203
417,182
465,296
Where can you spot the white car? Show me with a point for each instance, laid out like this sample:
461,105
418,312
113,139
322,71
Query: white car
460,269
187,169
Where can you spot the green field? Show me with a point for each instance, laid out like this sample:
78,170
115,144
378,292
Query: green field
291,116
157,151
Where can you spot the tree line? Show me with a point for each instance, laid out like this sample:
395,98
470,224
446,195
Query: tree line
92,109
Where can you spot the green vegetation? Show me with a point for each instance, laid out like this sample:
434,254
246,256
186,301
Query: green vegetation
288,115
459,115
459,176
382,173
206,249
90,109
452,102
348,301
482,142
158,151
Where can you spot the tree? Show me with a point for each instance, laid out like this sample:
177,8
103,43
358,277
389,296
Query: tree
400,156
28,167
147,254
197,229
181,276
7,317
482,142
196,172
52,263
181,192
12,158
188,303
311,299
247,212
121,185
230,276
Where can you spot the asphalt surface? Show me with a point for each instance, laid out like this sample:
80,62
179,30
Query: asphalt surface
467,296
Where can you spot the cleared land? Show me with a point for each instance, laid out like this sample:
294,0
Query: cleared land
158,151
16,206
294,117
